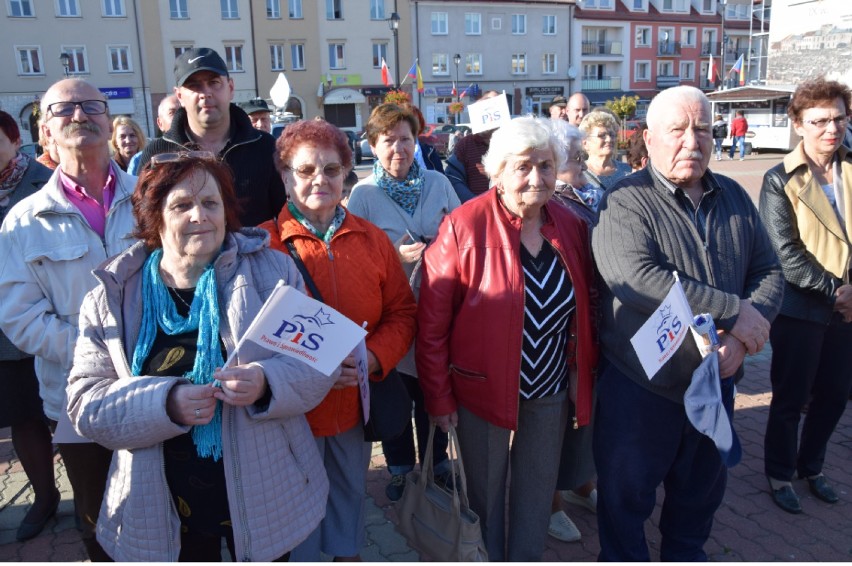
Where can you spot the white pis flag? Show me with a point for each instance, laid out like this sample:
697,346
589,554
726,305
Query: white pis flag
664,332
293,324
489,114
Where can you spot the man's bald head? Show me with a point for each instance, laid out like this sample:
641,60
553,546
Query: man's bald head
578,107
60,88
166,111
675,96
80,131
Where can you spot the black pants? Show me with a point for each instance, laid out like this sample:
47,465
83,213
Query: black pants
87,465
399,452
810,361
197,547
643,440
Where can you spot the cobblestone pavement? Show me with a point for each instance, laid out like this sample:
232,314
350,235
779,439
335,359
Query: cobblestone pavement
748,526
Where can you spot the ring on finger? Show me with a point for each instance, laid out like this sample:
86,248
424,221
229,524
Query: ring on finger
197,413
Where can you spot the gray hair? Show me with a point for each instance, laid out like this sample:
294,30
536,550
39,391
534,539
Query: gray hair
675,96
519,137
569,136
599,118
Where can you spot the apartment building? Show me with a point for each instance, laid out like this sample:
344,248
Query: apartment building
99,40
521,48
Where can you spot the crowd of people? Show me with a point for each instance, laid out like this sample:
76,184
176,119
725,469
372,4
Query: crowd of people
502,290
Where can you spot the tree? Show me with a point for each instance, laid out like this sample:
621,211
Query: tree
623,107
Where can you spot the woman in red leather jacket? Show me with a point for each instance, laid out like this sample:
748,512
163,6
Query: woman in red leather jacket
506,335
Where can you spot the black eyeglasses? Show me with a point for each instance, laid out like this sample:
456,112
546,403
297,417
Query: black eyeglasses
90,107
309,171
173,157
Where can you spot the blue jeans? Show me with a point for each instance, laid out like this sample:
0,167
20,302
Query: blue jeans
734,141
718,142
643,440
399,452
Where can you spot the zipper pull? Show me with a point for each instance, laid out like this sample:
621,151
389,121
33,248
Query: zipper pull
576,426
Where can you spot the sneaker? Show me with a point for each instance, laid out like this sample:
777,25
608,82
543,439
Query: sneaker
563,528
395,488
742,158
590,502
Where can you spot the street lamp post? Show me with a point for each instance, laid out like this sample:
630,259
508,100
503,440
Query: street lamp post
66,61
393,21
457,61
722,42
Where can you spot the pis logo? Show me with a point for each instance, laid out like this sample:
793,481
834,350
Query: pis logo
668,329
298,330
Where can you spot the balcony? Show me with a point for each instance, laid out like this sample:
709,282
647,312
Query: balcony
602,48
604,83
667,81
709,48
668,48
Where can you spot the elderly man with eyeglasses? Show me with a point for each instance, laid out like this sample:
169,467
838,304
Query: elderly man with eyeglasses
208,120
49,244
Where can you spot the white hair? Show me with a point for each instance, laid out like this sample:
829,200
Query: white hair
519,137
569,136
662,103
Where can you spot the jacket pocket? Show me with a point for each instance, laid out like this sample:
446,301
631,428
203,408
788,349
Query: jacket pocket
292,452
466,373
58,271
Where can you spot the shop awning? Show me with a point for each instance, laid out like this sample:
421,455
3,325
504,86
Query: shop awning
344,96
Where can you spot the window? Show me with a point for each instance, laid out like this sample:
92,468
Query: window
473,64
229,9
273,9
21,8
643,37
178,10
234,57
119,58
548,63
439,23
665,69
380,51
707,6
297,54
496,24
276,56
642,71
519,24
295,7
78,62
336,59
674,6
67,8
548,25
29,60
597,4
519,64
440,64
334,9
181,48
687,70
472,24
638,4
114,8
377,9
687,37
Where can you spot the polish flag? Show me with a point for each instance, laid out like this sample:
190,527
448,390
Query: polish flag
386,76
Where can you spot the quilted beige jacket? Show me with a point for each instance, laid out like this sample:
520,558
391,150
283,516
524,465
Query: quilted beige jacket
277,487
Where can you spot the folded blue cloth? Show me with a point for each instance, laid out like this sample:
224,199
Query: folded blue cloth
706,411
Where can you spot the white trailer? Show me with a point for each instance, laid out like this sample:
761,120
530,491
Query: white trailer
765,108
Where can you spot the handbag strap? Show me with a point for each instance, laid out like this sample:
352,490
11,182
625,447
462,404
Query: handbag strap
300,265
460,492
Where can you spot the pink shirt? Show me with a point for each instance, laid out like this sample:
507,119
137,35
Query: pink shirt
93,211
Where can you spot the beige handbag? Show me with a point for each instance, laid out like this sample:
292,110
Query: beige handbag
435,521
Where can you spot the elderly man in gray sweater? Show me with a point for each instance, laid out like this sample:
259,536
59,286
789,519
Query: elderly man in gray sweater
675,215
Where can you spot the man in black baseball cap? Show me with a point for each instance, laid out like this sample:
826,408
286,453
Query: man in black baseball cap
259,114
208,120
557,108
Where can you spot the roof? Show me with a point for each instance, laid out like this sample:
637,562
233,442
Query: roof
743,93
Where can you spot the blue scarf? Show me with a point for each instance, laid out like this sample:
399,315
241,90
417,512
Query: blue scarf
405,193
159,310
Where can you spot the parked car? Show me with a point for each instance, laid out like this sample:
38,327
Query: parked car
363,150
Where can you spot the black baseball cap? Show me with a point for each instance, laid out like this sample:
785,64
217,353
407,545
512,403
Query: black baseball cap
198,59
559,100
254,105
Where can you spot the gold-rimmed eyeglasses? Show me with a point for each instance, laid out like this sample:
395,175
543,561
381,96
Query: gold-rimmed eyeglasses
175,156
309,171
822,123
